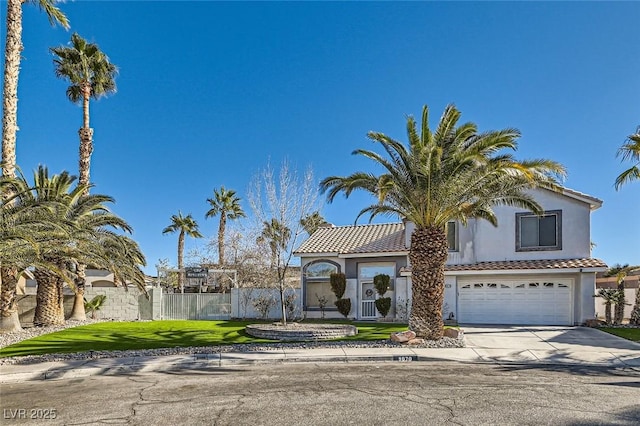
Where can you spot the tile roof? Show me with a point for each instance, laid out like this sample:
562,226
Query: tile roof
525,264
355,239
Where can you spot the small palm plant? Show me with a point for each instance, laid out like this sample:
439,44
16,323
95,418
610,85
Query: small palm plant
95,304
611,296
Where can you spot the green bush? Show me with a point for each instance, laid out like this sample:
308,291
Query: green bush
344,306
381,283
383,305
338,284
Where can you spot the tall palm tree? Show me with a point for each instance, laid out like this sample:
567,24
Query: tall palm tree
91,75
630,151
12,56
184,225
277,236
312,222
451,174
226,204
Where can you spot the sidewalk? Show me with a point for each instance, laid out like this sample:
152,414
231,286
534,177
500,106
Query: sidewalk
125,366
501,345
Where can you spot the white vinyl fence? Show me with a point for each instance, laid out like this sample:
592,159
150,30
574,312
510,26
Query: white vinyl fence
196,306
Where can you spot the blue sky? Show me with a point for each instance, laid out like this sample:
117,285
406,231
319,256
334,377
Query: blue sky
208,92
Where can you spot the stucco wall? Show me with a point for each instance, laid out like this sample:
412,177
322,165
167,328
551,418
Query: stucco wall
495,244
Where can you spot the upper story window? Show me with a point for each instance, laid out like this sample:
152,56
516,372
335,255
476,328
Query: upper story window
537,233
452,236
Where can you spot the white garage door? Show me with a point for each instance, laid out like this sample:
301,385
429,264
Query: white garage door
534,301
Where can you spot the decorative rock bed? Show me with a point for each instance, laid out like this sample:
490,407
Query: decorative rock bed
295,332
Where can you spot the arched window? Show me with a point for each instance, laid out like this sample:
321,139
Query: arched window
317,286
320,269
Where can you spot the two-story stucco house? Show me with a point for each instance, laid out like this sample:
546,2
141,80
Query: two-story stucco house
528,270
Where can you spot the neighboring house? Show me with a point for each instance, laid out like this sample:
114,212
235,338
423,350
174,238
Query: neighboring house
25,276
528,270
94,278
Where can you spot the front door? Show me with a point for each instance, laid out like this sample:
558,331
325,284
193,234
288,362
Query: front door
368,300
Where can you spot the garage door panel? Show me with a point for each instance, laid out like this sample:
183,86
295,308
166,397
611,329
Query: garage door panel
530,301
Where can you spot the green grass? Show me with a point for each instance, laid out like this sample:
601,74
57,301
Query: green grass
632,334
120,336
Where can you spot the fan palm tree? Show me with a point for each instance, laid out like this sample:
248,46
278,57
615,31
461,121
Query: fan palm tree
226,204
630,151
277,236
91,75
12,57
312,222
451,174
184,225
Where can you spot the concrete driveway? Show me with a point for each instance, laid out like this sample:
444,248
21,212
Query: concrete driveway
553,344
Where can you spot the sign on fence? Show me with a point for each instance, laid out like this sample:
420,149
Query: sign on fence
196,272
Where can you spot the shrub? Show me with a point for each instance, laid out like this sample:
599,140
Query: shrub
263,305
290,304
322,303
338,284
344,306
381,283
383,305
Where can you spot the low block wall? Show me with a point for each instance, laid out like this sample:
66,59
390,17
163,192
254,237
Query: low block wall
120,304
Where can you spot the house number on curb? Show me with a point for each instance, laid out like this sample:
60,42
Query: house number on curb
405,358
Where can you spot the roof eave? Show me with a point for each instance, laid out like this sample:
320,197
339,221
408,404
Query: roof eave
594,203
374,254
524,271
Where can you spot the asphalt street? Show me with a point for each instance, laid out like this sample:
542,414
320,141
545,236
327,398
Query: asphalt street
375,393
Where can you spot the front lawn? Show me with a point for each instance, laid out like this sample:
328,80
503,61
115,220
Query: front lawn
632,334
121,336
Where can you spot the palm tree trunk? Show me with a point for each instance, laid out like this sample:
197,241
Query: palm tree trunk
49,299
221,230
84,168
180,266
428,255
607,312
78,312
13,49
9,320
618,315
86,149
635,312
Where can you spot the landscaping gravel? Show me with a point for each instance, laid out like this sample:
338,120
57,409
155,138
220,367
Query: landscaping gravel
28,333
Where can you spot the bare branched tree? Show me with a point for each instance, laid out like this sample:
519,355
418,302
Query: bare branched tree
285,199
